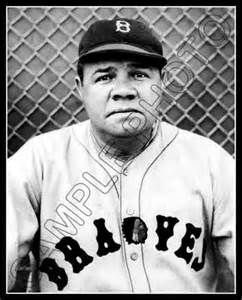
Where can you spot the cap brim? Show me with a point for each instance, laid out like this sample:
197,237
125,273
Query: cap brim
108,49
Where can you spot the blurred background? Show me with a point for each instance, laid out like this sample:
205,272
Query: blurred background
198,89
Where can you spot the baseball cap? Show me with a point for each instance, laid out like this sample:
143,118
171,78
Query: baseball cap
126,36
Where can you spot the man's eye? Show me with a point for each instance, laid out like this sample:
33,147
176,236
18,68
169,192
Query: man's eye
140,75
104,78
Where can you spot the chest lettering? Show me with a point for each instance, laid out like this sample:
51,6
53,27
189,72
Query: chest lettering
79,259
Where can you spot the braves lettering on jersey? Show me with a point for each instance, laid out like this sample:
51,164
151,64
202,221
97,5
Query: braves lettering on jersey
151,224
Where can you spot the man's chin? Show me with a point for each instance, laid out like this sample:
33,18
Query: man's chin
124,133
120,124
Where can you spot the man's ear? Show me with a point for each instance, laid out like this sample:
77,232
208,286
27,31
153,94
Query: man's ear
162,74
79,87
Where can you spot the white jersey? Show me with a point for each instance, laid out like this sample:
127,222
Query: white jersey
156,223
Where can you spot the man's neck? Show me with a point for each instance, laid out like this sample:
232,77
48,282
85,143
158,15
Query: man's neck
122,148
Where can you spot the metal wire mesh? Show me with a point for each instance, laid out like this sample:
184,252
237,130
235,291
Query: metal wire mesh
42,56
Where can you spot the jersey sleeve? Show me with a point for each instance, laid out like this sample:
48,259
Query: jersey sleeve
223,228
23,198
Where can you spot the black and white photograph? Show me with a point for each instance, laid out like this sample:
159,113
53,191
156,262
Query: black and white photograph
121,157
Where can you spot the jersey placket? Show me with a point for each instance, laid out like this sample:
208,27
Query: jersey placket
131,180
133,251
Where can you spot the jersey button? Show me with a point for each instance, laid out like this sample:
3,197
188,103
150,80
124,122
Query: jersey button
134,256
130,211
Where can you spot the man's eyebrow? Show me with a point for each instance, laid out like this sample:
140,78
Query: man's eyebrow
103,70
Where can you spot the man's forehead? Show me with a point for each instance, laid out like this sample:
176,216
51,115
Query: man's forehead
132,63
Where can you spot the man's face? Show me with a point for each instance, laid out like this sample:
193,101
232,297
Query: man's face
118,96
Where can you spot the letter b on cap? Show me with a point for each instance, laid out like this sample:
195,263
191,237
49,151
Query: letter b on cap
122,26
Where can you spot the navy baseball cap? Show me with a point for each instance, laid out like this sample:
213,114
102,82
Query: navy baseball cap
126,36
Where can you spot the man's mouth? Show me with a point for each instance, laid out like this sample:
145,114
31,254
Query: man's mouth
123,111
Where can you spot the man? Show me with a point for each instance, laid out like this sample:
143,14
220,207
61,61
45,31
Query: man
122,202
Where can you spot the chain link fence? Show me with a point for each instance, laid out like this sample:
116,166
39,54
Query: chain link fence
42,55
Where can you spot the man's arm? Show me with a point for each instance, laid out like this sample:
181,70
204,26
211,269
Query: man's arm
23,197
223,230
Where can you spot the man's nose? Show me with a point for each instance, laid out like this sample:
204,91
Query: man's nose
123,90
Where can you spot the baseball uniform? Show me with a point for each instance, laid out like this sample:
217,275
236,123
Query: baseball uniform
155,223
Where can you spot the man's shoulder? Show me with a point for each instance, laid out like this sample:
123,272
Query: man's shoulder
184,134
61,134
50,145
56,140
194,141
